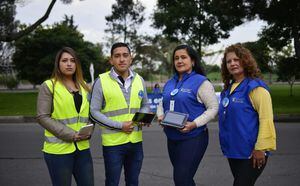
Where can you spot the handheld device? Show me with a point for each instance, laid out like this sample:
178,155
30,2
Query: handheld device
86,130
143,117
175,119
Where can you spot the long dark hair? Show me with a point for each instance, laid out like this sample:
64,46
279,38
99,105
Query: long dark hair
197,67
77,76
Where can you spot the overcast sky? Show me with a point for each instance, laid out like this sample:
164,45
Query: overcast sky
89,15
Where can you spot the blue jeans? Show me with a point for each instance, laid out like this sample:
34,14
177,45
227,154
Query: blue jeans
61,167
185,156
129,155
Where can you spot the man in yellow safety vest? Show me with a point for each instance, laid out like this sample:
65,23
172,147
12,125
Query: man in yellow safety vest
116,96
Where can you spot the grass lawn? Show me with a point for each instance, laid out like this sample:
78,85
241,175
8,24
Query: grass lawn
214,76
19,103
13,104
283,103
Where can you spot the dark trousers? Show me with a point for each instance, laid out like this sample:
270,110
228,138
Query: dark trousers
185,156
129,155
243,172
62,167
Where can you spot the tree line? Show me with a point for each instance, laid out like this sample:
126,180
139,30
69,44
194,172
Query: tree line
197,22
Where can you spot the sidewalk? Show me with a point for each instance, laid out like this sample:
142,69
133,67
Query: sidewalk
31,119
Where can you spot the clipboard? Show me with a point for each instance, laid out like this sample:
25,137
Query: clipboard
174,119
143,117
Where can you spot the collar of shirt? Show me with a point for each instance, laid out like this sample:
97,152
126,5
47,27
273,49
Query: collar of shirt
127,81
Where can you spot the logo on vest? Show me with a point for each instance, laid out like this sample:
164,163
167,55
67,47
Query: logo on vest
141,94
185,90
238,100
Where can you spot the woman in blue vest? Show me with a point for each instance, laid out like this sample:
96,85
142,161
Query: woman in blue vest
156,89
188,91
247,131
62,109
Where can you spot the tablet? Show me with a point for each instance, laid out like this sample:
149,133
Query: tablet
86,130
143,117
175,119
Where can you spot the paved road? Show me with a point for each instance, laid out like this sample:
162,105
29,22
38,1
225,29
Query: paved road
21,161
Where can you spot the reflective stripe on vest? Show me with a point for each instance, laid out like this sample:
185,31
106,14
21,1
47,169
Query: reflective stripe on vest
117,109
53,140
73,120
64,111
105,130
121,111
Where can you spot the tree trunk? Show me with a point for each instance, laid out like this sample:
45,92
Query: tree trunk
199,36
270,78
291,82
291,89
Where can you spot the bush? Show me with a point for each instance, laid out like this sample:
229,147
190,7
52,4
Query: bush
10,81
2,80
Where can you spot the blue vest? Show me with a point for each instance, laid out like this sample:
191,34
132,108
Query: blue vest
238,121
185,102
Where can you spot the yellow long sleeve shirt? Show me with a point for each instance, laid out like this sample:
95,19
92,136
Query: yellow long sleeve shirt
262,103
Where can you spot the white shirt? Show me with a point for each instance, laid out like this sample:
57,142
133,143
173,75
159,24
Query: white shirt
127,81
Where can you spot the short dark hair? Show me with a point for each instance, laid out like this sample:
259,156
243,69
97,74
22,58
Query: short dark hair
117,45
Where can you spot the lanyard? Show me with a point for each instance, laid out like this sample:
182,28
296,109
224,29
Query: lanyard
179,84
176,89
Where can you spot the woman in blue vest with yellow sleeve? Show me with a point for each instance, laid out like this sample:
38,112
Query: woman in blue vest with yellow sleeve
62,109
247,131
191,93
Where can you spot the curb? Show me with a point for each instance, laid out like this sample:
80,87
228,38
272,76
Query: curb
287,118
31,119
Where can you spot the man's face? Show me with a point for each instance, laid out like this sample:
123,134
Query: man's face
121,59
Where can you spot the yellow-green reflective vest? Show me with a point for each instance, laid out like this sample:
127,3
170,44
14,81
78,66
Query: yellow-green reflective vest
64,111
116,109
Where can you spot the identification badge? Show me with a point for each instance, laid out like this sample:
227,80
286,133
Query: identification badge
172,105
225,102
174,92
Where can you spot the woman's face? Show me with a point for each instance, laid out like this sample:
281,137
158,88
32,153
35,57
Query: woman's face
233,65
183,62
67,64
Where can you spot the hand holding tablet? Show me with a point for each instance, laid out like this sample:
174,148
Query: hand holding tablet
86,130
174,119
140,117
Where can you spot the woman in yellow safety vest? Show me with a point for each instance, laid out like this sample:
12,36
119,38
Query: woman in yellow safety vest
62,109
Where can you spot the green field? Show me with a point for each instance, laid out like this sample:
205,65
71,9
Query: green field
283,103
13,104
216,77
